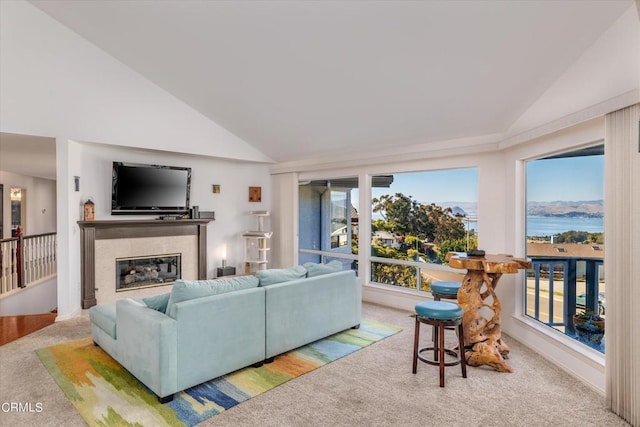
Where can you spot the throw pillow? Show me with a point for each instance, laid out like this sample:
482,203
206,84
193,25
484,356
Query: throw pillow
157,302
279,275
314,269
184,290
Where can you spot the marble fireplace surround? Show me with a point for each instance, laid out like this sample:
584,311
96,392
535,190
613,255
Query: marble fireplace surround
101,242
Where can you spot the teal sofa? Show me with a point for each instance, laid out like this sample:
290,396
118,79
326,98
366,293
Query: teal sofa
209,328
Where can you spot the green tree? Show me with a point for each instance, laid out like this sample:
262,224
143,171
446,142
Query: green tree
579,237
456,245
444,224
398,211
381,225
414,243
391,274
405,216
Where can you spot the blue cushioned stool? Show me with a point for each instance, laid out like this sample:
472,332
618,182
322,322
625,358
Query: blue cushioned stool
439,314
445,290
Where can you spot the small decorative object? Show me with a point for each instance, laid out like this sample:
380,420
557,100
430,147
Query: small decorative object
590,332
588,316
255,194
89,210
476,252
216,188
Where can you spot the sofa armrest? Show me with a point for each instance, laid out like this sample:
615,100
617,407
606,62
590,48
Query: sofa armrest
147,341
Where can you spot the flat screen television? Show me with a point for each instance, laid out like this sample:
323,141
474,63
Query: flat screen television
139,189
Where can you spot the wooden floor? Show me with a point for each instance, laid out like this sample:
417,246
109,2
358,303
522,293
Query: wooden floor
14,327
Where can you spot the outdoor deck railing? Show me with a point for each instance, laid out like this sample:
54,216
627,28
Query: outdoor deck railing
552,279
25,260
416,268
561,276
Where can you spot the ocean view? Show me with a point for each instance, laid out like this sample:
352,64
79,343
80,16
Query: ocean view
547,226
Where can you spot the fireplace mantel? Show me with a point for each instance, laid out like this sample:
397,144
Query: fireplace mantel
90,231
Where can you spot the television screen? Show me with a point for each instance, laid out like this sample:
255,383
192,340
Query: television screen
149,189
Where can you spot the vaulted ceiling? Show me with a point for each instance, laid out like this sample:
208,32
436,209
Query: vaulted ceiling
298,78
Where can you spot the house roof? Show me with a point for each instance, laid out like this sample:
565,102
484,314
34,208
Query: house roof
385,235
565,250
352,182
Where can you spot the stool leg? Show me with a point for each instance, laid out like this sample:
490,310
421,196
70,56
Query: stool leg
436,332
441,351
463,358
436,297
415,344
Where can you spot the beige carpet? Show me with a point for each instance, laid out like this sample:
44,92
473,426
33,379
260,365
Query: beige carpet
372,387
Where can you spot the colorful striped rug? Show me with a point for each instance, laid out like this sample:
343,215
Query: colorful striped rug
106,394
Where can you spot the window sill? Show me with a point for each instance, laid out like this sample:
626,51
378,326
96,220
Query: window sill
568,344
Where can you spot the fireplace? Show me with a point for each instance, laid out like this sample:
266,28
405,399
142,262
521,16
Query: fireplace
147,271
102,242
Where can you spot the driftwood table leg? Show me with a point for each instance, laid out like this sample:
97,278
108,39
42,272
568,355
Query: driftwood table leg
482,335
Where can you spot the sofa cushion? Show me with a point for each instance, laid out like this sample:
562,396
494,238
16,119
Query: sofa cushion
314,269
157,302
104,317
279,275
184,290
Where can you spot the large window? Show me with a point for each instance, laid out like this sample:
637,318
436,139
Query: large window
416,220
565,241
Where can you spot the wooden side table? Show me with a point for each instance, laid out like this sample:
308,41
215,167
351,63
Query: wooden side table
483,335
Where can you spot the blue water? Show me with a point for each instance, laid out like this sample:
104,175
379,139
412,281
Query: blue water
547,226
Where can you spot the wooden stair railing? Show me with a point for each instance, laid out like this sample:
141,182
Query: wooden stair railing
26,259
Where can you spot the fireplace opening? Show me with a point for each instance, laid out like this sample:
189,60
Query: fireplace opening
147,271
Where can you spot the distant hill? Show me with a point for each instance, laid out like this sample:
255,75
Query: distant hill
557,208
567,209
463,208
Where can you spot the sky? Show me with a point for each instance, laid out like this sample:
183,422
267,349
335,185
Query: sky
569,179
452,185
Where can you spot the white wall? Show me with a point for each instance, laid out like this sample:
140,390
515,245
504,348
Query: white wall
68,165
54,83
609,68
40,203
93,163
231,205
37,298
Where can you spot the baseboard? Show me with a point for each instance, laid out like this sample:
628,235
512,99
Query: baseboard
75,313
396,298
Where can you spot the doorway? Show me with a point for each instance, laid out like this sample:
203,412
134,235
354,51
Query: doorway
18,210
